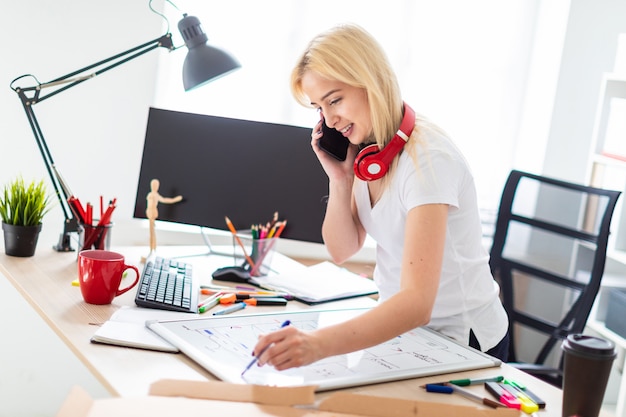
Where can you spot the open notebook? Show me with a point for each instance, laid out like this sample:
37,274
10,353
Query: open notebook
319,283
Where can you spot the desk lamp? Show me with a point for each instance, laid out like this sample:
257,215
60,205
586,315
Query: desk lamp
203,64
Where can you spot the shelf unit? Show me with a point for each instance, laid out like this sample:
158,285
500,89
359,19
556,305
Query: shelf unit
607,169
607,166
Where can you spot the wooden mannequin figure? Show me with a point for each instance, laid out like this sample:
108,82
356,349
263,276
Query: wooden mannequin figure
153,199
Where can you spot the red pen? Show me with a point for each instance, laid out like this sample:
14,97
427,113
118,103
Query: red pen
106,217
89,214
77,209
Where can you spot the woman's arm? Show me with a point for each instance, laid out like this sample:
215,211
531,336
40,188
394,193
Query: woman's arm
342,232
411,307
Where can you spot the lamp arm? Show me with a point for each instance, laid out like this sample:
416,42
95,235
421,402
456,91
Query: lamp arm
30,96
74,78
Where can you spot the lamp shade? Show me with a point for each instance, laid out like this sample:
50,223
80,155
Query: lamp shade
203,62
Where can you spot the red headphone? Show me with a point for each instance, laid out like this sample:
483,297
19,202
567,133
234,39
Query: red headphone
372,163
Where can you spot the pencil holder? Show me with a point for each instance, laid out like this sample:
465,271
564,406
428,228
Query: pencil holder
259,251
94,236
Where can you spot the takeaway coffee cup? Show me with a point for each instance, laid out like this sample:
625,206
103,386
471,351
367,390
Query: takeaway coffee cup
100,275
586,368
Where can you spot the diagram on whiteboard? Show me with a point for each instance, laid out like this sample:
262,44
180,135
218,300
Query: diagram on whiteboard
224,347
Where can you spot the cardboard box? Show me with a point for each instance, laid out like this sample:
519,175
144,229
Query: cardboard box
174,397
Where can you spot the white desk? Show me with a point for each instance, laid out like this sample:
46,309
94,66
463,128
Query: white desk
45,282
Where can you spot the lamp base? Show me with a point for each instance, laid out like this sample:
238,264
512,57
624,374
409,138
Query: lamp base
65,244
65,241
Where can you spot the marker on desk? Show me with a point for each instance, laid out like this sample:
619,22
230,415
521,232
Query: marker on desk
244,288
540,403
503,395
261,294
208,305
213,296
266,301
467,381
256,357
450,388
232,309
527,405
228,298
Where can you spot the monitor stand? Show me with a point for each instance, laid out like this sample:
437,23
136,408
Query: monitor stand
210,250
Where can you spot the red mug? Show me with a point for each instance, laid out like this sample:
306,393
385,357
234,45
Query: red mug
100,274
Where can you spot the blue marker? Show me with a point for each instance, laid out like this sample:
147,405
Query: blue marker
439,388
256,358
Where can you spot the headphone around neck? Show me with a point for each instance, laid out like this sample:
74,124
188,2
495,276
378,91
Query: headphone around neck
371,163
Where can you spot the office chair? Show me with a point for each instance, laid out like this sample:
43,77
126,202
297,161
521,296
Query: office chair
548,254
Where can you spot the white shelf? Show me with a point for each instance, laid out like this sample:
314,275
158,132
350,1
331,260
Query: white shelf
608,172
618,256
602,330
600,159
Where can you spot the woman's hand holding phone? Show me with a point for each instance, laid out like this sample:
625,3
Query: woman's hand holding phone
333,142
334,167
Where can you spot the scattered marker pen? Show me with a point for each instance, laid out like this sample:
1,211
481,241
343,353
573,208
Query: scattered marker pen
467,381
534,398
209,302
503,395
451,388
274,301
232,309
526,404
207,306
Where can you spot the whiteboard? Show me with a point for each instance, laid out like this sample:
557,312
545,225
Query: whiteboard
223,346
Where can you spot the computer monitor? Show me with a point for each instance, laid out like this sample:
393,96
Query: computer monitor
242,169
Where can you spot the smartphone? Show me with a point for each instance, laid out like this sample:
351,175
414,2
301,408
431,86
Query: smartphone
333,142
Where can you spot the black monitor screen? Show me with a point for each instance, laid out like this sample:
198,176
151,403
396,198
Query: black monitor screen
237,168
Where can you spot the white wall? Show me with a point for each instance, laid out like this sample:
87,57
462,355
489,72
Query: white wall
94,130
588,52
95,133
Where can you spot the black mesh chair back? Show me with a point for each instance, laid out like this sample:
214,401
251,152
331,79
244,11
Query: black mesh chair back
548,254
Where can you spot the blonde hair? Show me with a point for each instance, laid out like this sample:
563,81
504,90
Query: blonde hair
349,54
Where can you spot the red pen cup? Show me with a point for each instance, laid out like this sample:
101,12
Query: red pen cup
92,236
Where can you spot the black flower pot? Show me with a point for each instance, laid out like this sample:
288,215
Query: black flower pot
20,240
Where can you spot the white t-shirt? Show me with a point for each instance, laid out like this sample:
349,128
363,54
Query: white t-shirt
467,297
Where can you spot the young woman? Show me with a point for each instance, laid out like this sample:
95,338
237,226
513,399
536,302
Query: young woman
416,198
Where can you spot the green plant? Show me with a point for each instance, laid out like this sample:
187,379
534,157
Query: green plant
24,205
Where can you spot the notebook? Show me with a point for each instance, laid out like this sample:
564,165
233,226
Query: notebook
126,327
319,283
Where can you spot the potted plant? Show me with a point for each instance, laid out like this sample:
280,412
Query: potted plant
22,208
